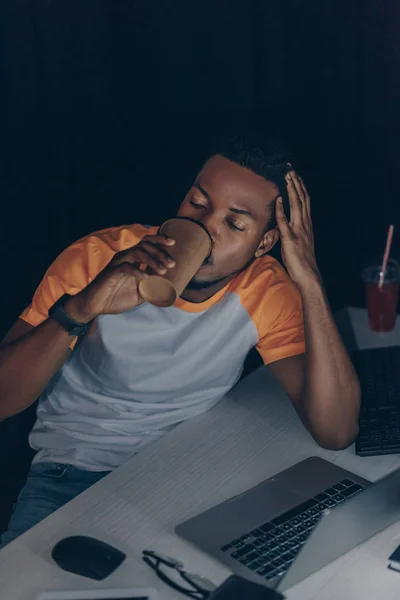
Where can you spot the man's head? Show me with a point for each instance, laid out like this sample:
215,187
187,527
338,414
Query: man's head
234,196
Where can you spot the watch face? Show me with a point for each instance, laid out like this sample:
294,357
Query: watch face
58,313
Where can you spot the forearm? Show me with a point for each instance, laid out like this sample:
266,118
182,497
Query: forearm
331,395
27,365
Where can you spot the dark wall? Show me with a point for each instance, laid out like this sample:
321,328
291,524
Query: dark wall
106,106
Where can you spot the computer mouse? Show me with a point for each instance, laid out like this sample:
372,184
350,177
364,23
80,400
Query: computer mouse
86,556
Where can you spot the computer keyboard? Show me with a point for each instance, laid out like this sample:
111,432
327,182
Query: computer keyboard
270,549
379,374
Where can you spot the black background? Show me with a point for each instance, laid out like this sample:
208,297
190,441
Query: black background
105,108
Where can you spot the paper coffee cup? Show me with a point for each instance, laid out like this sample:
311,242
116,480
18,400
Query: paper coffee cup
192,246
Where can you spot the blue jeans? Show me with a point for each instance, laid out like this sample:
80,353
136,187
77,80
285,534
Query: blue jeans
48,486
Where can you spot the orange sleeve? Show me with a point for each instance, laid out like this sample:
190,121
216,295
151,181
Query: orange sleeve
281,324
274,305
67,275
77,266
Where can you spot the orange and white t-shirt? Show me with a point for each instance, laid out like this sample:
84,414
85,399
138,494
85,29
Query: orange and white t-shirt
140,373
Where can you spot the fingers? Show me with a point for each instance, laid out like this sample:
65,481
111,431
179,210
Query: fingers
157,245
149,253
293,188
159,239
158,253
306,197
153,258
296,183
281,219
302,197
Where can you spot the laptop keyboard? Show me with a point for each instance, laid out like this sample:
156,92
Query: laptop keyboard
270,549
379,374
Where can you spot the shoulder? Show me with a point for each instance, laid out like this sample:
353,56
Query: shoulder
273,303
93,252
117,238
267,292
265,275
113,239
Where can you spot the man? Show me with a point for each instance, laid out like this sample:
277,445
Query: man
137,370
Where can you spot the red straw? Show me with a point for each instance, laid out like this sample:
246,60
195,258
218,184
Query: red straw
386,255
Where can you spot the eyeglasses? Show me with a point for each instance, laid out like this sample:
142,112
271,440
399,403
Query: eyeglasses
193,586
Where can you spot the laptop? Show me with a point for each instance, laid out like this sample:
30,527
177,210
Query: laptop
277,533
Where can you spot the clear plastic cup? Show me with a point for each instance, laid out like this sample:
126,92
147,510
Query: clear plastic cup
382,301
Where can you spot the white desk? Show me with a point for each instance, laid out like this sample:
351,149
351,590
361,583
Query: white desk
248,436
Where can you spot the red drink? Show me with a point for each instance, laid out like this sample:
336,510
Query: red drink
382,301
382,304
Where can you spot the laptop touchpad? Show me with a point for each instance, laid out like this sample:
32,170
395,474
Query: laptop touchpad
242,513
268,499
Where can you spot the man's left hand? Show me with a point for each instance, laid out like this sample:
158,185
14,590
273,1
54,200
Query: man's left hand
297,238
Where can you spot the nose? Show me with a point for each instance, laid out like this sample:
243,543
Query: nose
209,222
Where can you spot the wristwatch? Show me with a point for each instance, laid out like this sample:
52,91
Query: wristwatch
58,313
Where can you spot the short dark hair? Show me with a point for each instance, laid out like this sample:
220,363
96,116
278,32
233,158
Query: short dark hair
262,154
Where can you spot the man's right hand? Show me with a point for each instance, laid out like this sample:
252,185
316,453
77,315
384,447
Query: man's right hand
116,288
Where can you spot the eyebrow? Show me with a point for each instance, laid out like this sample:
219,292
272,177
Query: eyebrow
202,190
242,211
238,211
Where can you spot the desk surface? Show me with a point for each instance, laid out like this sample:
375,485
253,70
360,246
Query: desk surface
251,434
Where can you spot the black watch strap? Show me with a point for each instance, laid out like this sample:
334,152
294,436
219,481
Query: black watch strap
58,313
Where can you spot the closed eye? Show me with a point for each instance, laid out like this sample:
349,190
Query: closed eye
197,204
236,227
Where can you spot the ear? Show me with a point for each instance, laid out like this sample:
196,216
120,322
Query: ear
268,242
